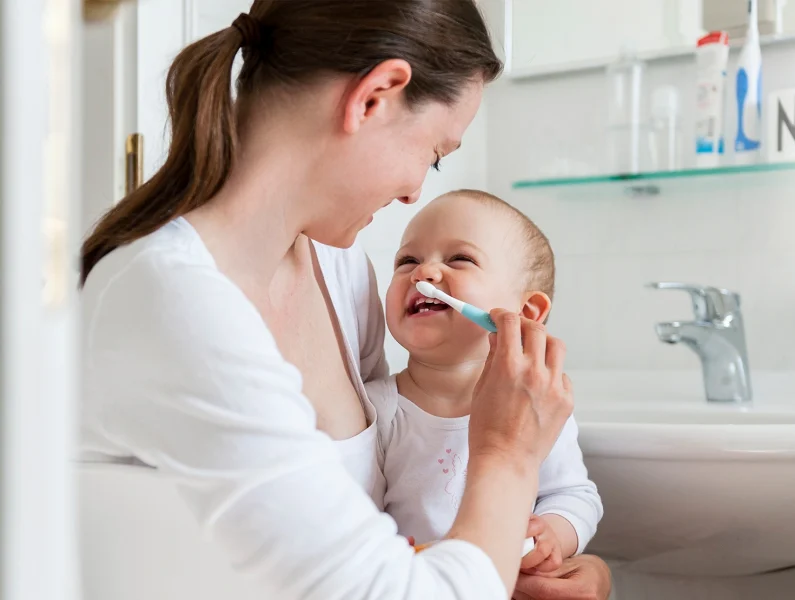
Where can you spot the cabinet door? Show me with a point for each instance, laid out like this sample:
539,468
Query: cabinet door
557,36
125,62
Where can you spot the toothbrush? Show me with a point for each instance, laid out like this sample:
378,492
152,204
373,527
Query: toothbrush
474,314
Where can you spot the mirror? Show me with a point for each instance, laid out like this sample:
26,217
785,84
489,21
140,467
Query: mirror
569,35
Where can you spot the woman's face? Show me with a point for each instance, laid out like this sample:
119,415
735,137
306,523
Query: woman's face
387,158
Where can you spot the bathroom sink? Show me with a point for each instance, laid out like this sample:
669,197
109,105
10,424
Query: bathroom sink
690,487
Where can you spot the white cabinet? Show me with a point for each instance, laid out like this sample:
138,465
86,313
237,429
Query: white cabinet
560,35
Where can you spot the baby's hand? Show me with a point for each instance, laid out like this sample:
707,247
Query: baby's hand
547,554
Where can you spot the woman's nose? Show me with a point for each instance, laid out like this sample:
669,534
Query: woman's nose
427,272
411,199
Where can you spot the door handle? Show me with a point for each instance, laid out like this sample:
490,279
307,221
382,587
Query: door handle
100,10
134,163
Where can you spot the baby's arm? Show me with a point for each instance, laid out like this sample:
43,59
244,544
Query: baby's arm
567,499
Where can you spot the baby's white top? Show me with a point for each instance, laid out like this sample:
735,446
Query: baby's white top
425,460
182,374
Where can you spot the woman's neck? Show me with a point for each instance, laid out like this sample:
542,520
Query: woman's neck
252,224
444,391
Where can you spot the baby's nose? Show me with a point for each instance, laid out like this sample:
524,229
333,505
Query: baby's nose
427,272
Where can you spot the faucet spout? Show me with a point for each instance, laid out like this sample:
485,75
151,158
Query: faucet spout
669,332
717,336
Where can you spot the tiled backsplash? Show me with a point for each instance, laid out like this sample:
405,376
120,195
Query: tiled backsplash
608,245
737,234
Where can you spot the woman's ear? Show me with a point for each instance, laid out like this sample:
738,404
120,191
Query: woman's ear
536,306
375,92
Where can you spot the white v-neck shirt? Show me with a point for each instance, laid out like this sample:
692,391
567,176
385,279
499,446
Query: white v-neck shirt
182,374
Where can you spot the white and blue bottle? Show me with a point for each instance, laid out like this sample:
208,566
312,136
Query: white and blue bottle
747,143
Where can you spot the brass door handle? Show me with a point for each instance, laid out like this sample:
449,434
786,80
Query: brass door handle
134,163
100,10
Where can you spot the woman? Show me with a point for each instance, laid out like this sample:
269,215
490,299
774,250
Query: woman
226,349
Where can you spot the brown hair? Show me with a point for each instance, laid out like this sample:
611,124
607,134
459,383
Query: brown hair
540,260
287,44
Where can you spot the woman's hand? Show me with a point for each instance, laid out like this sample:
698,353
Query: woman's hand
523,398
519,407
580,578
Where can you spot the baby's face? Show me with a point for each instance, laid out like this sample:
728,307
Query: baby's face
468,249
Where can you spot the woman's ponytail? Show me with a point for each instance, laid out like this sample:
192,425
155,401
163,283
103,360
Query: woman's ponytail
203,140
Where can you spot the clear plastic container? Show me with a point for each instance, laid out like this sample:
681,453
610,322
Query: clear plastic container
665,132
626,125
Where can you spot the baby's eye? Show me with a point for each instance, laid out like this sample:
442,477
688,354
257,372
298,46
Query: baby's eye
405,260
462,257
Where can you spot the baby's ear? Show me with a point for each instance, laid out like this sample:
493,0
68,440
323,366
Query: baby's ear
536,306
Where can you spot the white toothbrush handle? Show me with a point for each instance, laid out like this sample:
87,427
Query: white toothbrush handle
453,303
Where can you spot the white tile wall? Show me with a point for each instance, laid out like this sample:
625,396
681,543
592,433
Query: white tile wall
734,233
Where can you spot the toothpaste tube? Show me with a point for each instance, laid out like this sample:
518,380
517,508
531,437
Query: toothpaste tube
712,57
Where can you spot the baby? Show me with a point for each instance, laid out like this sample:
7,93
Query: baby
481,250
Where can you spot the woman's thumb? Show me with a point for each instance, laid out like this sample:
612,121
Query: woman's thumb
489,359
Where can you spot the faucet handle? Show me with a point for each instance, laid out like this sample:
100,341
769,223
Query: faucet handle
709,303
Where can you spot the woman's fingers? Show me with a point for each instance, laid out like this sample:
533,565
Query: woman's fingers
534,342
566,568
489,362
548,588
551,564
555,356
567,385
509,332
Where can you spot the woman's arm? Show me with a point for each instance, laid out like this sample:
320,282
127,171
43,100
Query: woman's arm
191,382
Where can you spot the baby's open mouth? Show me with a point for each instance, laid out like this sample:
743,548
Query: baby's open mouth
423,305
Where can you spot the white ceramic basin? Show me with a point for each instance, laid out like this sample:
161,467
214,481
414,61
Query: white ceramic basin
690,487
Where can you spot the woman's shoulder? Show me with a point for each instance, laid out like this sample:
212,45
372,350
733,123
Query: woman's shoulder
163,327
150,258
166,288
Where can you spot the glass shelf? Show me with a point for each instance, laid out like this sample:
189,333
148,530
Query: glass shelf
650,184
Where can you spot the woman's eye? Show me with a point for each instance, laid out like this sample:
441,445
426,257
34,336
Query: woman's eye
438,164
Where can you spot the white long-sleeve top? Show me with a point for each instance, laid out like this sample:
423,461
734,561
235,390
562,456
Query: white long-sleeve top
425,458
182,373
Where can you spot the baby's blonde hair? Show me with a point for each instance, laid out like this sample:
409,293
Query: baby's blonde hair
540,259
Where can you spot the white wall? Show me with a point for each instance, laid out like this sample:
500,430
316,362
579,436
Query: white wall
733,233
737,235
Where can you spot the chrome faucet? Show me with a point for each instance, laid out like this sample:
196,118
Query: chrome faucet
717,336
